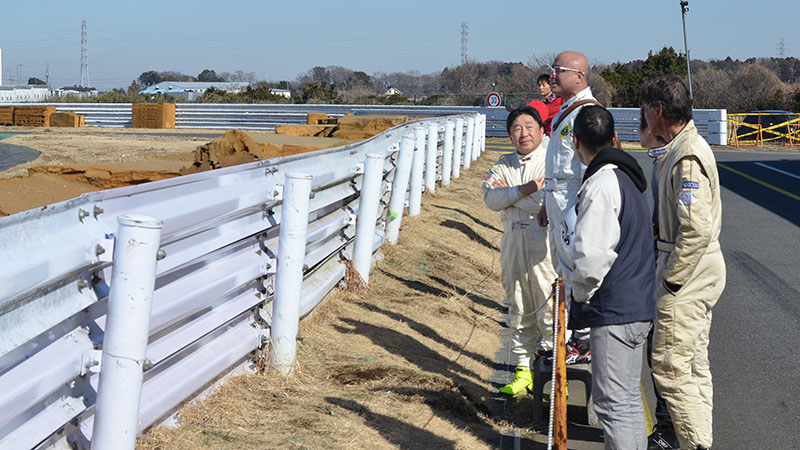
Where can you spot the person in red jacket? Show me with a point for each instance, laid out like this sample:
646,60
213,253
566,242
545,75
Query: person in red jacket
552,102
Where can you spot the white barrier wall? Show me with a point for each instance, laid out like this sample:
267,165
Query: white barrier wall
217,261
712,123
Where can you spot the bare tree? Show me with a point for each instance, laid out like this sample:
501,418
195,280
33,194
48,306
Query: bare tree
710,88
601,89
756,88
539,63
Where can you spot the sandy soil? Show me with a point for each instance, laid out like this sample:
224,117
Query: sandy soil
75,161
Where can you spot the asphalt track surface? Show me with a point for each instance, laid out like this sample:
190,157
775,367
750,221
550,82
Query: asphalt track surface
756,323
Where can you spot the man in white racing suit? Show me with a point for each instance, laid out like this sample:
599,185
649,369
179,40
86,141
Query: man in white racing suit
513,186
564,171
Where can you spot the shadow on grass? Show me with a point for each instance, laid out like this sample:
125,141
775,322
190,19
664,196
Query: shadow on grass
429,332
400,433
428,289
483,301
474,219
464,228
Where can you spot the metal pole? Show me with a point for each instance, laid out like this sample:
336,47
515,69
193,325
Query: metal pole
415,187
458,140
368,204
482,133
289,275
430,157
468,142
447,152
399,185
127,330
476,150
684,10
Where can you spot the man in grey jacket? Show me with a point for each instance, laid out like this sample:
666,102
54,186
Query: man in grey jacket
608,268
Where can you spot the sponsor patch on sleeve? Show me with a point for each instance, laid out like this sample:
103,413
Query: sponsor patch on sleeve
687,198
691,185
564,131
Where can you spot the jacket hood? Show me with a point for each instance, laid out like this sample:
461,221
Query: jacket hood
624,161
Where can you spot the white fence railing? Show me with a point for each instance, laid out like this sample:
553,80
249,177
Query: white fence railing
213,290
712,123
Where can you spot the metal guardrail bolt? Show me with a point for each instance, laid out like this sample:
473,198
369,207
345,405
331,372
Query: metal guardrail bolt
99,250
82,214
97,211
82,284
147,365
161,254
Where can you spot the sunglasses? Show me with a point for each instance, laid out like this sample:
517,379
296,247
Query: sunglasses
559,69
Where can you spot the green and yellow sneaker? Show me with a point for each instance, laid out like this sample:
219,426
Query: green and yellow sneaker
523,379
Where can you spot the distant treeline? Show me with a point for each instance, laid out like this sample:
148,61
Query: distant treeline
738,86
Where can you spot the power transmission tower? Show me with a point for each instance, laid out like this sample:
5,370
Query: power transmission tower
84,57
782,48
464,42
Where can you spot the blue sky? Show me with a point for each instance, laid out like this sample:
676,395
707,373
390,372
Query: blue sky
280,40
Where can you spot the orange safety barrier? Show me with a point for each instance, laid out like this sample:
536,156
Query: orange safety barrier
761,133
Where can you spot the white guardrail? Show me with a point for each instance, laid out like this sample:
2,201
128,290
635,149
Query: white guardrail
93,327
711,123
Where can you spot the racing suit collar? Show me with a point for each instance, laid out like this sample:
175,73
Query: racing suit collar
582,95
688,129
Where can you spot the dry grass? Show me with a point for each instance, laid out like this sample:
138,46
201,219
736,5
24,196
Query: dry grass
403,363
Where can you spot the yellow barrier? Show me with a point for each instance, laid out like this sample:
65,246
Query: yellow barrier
760,133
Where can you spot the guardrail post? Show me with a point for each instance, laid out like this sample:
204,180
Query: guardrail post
468,143
289,275
482,134
415,187
476,138
447,153
399,186
430,157
458,141
368,203
126,333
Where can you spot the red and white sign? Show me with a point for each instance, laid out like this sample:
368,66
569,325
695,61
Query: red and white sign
493,99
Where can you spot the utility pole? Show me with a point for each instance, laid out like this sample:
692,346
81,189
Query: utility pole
84,57
464,42
684,10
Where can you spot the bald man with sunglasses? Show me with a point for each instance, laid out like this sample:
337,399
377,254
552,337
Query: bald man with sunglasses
564,171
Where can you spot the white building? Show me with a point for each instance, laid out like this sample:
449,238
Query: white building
191,90
24,94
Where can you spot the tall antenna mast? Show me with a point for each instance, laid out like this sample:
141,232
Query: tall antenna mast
464,42
84,57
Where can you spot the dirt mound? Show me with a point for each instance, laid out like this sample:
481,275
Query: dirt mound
110,176
71,161
237,147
